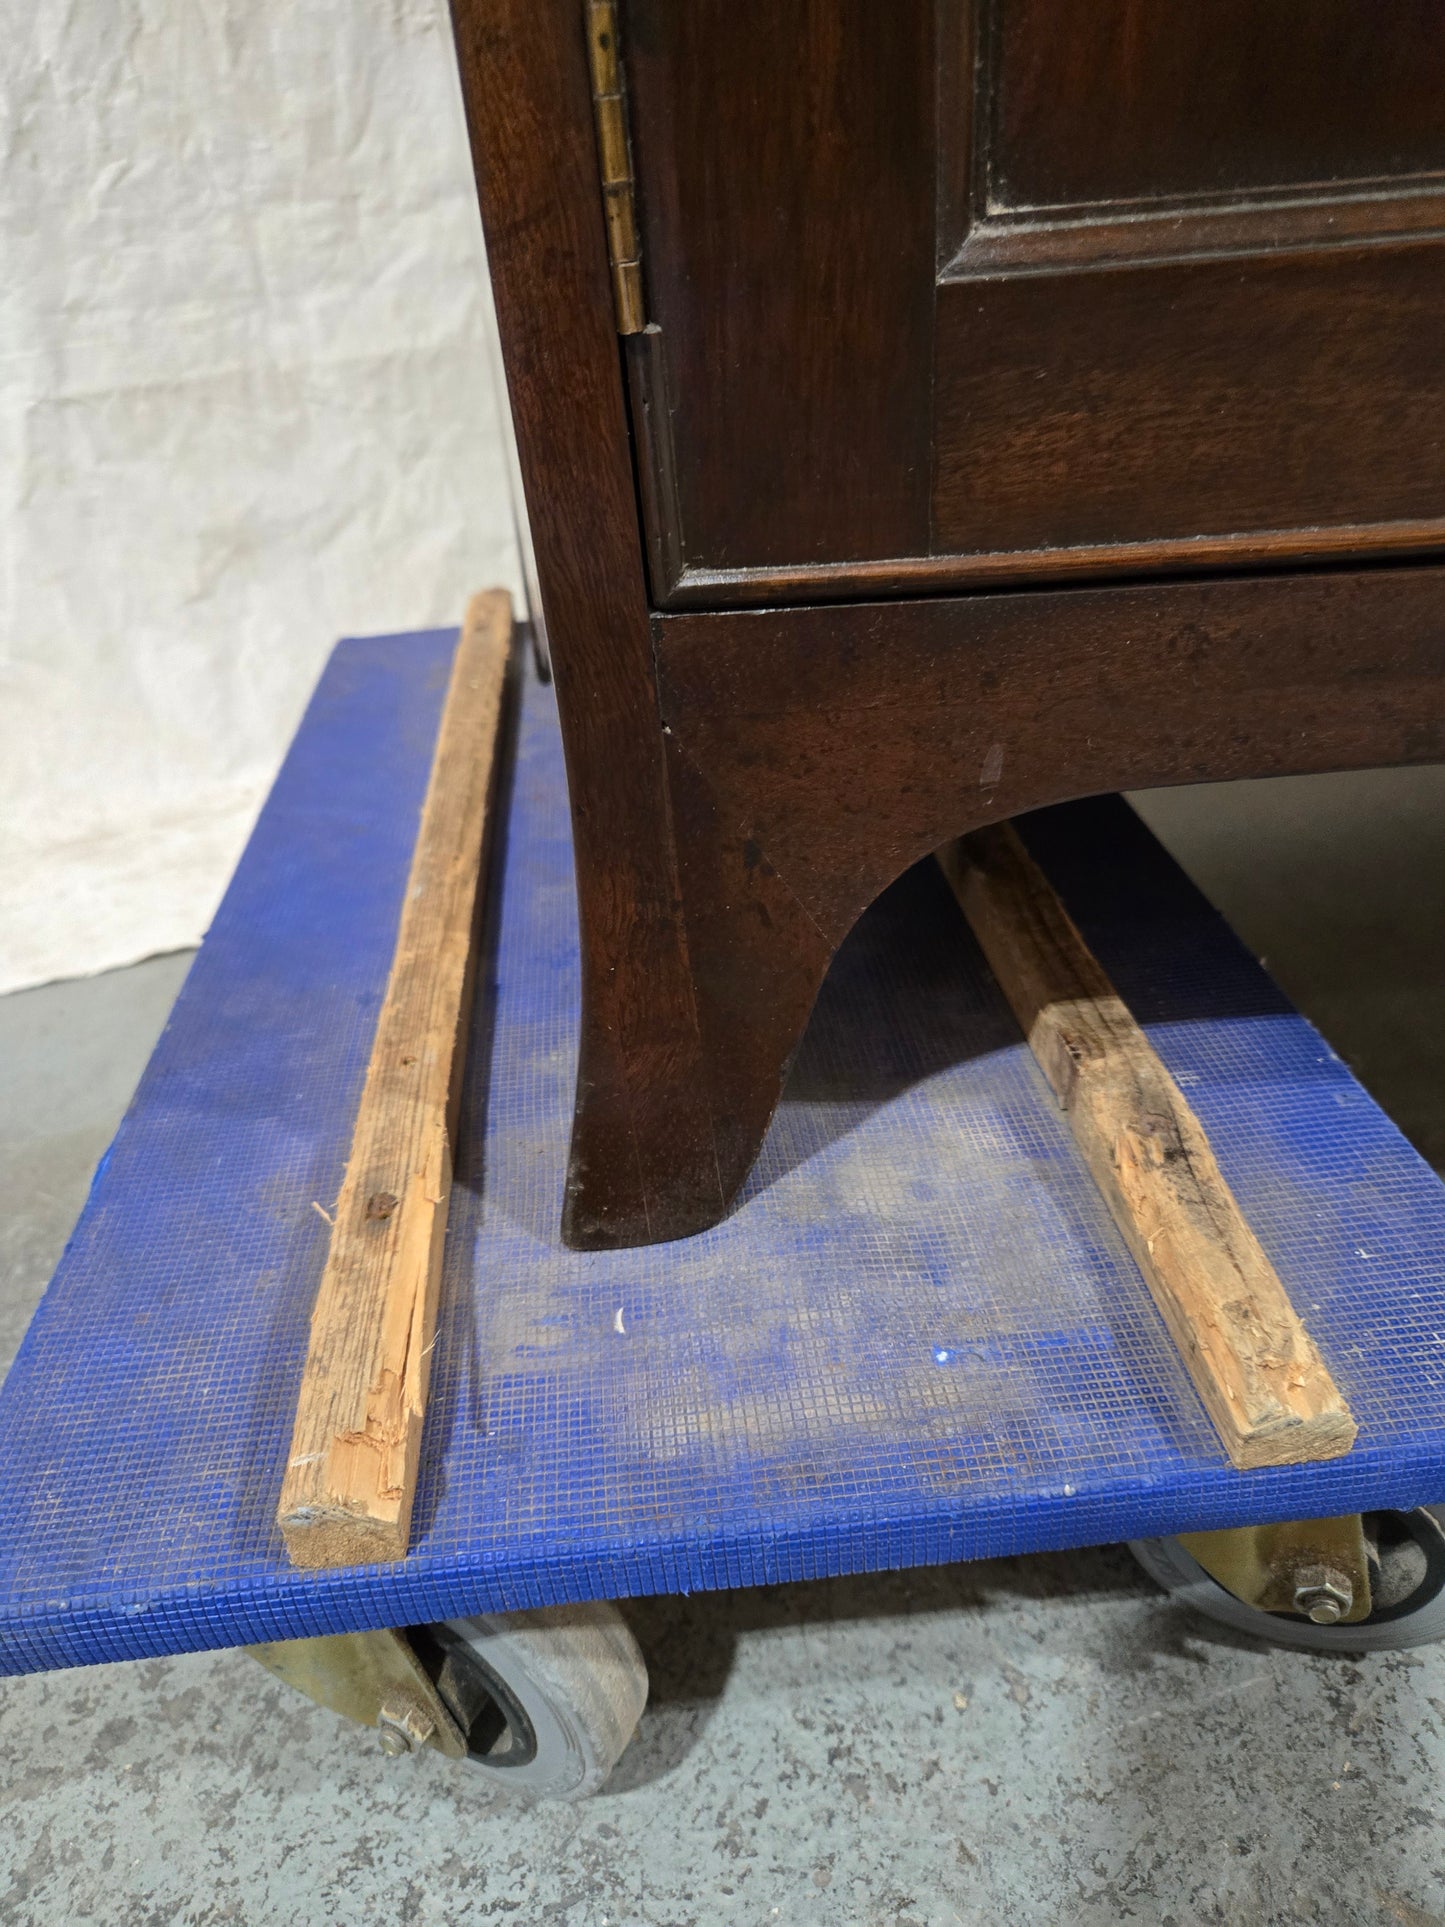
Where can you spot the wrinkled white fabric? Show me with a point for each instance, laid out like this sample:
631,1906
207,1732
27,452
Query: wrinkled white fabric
245,407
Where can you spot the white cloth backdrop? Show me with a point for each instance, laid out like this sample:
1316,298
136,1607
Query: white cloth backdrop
245,407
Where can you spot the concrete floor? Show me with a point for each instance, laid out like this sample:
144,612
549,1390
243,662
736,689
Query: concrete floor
1036,1740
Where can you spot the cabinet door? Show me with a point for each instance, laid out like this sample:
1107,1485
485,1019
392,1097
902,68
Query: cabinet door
950,291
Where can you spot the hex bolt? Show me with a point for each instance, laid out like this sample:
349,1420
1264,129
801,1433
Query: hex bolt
1322,1594
402,1726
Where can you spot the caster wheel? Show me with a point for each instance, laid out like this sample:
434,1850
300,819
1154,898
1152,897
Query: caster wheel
547,1700
1407,1589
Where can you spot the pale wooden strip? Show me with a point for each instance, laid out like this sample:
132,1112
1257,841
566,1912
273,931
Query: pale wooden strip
1256,1368
352,1468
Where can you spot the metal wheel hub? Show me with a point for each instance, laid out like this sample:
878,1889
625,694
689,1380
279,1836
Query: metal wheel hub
489,1714
1321,1599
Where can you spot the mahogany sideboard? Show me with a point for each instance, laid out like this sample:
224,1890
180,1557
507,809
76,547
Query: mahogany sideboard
928,410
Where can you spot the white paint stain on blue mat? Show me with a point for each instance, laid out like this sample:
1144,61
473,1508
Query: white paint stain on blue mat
918,1338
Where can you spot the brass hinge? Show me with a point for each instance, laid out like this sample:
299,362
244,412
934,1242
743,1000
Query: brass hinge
614,153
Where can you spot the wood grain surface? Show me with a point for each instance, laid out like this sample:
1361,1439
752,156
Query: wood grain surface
816,753
1255,1367
351,1472
834,400
1004,291
785,164
643,1130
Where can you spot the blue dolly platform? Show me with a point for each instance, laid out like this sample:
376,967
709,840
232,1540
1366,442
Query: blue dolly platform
918,1338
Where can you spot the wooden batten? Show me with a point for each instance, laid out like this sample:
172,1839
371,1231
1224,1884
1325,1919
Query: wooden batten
1254,1365
351,1471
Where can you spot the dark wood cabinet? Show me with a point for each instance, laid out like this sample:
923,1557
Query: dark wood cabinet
1014,399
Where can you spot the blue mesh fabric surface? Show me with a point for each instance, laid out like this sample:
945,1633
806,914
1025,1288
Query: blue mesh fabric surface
918,1338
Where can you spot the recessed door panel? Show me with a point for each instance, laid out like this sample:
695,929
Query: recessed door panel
1136,102
963,290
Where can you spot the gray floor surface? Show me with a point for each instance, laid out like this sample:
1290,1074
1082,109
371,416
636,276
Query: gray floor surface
1033,1740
